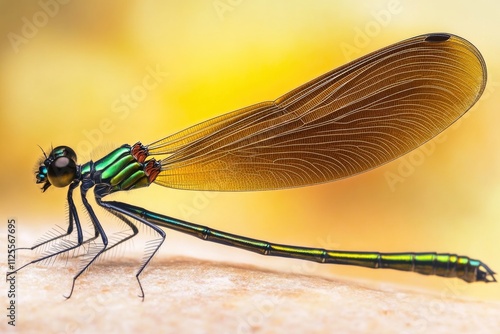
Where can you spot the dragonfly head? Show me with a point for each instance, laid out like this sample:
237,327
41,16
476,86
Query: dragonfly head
58,168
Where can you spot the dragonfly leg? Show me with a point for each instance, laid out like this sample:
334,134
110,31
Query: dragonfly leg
101,191
68,231
98,231
130,224
152,248
73,214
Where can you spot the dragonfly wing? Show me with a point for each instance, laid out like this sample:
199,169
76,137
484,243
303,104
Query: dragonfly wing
350,120
200,132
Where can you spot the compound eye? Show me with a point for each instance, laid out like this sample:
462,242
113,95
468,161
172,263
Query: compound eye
62,171
41,176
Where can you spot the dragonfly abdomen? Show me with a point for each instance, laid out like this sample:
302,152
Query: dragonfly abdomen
444,264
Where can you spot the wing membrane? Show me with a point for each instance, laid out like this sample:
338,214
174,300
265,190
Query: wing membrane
347,121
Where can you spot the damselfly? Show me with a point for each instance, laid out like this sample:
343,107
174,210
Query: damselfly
347,121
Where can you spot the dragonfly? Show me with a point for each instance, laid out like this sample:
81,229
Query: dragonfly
350,120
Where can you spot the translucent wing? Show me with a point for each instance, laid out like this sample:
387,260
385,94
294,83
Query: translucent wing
352,119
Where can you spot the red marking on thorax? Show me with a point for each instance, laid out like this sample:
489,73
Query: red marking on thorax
139,152
152,169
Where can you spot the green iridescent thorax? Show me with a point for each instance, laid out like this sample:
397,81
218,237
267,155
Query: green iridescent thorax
124,168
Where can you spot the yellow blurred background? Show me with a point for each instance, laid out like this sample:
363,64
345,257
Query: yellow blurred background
94,75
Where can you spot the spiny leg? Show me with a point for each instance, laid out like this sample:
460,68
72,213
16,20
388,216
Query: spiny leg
129,223
103,190
98,231
51,236
69,199
151,249
73,214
